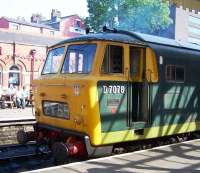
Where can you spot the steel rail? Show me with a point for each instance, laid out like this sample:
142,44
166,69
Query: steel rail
17,151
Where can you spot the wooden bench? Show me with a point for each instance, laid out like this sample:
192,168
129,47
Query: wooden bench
10,103
7,100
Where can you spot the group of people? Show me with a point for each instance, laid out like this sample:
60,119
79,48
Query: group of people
19,95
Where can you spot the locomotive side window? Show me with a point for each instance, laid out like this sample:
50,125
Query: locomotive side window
135,60
113,60
79,58
175,73
53,61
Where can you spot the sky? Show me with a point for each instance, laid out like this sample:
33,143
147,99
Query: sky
25,8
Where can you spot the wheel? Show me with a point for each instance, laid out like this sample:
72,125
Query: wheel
22,137
60,152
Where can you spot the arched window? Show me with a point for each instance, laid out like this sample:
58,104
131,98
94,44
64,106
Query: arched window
14,75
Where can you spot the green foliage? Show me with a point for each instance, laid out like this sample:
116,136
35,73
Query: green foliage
136,15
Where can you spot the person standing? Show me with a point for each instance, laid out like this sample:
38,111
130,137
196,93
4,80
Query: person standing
19,98
25,96
11,90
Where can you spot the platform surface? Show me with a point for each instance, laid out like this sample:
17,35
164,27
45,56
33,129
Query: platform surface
183,157
9,114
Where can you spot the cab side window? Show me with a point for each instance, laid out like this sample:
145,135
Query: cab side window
175,73
136,63
113,60
135,55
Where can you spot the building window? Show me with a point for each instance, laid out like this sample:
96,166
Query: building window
175,73
113,60
75,30
14,76
78,23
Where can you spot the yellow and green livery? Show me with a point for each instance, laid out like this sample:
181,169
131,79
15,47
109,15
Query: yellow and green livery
117,86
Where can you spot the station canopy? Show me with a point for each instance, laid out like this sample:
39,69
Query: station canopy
188,4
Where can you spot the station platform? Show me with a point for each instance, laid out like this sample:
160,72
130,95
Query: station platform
16,114
182,157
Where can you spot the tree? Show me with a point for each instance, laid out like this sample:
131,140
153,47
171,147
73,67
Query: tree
136,15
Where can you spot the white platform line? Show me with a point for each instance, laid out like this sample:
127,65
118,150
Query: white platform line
109,157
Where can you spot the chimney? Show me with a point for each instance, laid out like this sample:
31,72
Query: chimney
35,18
55,15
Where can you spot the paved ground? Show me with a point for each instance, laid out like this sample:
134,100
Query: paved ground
184,157
9,114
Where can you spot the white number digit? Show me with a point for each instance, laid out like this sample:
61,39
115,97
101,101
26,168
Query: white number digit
105,89
110,89
114,89
118,89
122,89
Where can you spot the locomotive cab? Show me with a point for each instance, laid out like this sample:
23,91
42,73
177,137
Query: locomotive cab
95,87
94,91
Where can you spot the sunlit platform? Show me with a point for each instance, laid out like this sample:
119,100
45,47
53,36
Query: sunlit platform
16,114
183,157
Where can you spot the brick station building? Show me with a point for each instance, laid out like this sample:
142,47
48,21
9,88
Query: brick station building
23,45
22,57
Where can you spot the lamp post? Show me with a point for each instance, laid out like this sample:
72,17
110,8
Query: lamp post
32,53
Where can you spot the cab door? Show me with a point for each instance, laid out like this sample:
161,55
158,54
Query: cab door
138,89
113,89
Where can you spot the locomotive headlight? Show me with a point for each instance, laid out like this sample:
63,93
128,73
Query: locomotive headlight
56,109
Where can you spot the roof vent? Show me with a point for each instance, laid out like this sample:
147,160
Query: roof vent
105,29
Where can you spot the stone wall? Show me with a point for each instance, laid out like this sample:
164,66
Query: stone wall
8,133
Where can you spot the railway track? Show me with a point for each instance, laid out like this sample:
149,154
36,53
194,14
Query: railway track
17,158
17,151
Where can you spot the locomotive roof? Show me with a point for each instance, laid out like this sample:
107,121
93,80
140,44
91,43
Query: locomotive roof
116,37
170,42
134,38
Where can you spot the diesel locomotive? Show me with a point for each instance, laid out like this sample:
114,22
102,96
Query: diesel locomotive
102,89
